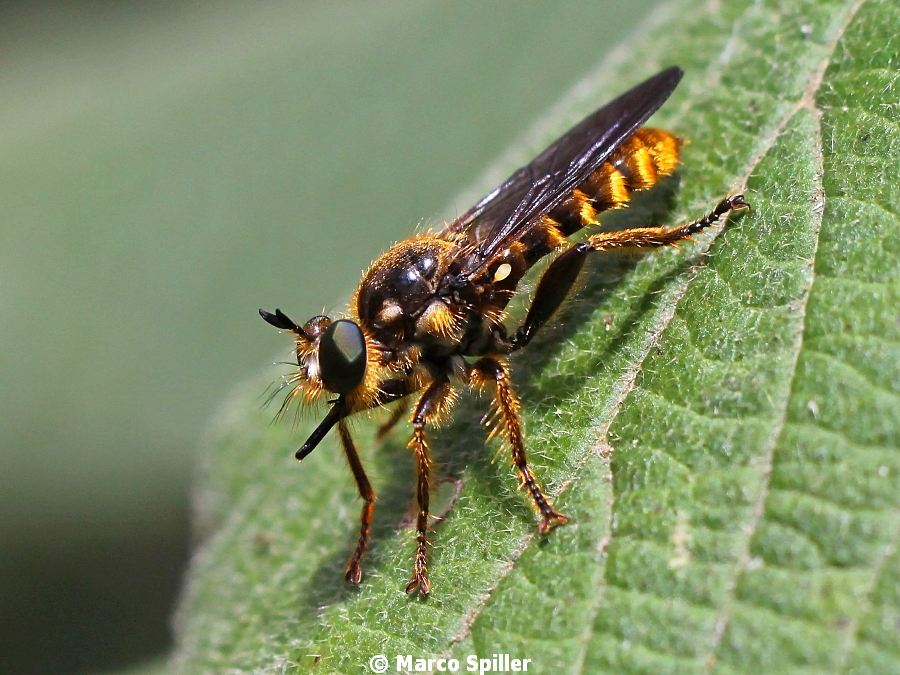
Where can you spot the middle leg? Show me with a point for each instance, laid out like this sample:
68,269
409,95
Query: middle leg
507,406
428,410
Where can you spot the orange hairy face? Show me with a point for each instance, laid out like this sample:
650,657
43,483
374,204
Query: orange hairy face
306,382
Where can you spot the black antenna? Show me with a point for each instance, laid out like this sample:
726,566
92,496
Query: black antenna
280,320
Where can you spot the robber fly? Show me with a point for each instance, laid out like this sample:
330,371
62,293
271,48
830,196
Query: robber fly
428,315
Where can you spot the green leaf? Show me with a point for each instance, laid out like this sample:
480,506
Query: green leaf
719,422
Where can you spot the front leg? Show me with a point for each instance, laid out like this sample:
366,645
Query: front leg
352,571
428,410
507,406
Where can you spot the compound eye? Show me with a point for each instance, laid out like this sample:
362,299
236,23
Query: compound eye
342,356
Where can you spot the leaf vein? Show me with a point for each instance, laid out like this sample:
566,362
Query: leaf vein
743,557
877,571
854,371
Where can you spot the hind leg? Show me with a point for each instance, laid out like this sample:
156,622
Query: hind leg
561,274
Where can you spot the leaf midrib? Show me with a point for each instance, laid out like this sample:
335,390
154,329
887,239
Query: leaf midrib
666,314
806,101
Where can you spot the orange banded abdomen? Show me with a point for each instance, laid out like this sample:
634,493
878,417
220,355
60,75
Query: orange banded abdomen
637,164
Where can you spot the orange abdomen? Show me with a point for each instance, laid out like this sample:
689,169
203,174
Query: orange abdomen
638,164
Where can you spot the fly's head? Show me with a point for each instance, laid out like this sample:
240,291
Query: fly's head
332,356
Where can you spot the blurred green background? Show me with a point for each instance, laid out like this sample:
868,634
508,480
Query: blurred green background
167,168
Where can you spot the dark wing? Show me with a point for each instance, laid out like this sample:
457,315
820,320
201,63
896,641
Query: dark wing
505,213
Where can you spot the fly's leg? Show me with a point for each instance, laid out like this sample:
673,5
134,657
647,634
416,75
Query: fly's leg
397,414
652,237
554,286
427,410
352,571
507,406
560,276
